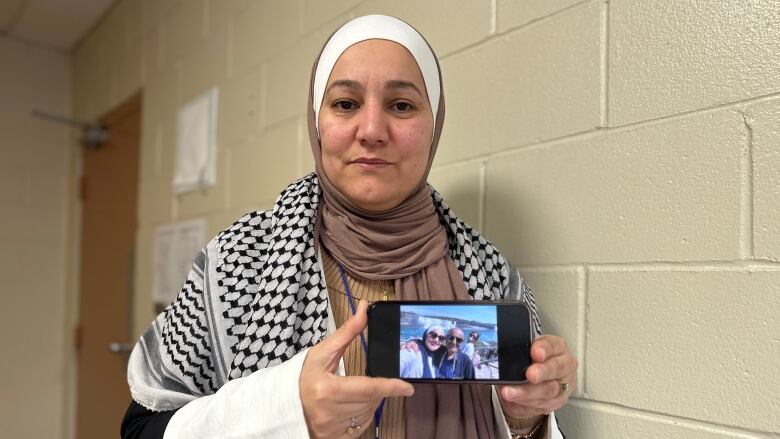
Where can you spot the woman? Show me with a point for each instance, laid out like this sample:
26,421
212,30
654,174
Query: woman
250,347
422,361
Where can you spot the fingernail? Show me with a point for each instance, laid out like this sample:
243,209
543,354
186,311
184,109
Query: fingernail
511,393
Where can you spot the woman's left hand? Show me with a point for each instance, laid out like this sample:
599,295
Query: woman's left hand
553,365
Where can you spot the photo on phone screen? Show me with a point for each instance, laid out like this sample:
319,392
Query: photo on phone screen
449,341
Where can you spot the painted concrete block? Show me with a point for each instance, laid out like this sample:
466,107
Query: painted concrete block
43,272
35,371
511,14
538,83
184,30
167,149
461,187
148,152
153,11
27,225
36,73
14,186
664,192
127,80
436,20
88,82
151,55
260,169
47,188
287,86
764,120
155,199
264,29
204,68
240,106
695,343
221,13
110,33
163,91
105,43
318,14
13,266
581,418
25,154
20,129
667,58
158,124
447,25
557,292
131,13
143,308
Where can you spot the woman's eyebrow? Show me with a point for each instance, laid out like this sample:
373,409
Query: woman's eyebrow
347,83
397,83
393,84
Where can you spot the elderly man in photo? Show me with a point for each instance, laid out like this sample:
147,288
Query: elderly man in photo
456,365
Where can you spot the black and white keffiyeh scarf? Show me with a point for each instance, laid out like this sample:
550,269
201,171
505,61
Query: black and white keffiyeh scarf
256,296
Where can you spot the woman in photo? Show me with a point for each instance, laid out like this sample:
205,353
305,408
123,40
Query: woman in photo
422,358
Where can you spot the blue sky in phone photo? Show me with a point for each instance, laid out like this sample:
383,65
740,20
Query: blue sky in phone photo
480,313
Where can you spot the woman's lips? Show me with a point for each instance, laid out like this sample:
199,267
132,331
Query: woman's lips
371,163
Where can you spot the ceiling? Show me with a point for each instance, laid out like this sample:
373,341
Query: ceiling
56,24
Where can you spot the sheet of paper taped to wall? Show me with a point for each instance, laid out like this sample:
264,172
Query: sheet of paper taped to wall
196,144
175,247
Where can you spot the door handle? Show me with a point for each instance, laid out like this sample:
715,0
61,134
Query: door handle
119,348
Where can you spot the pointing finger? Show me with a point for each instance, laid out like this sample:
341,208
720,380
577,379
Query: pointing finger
339,340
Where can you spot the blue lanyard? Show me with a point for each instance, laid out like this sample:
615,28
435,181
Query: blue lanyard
378,412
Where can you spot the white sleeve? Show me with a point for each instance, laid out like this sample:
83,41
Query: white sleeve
468,349
410,364
266,403
503,429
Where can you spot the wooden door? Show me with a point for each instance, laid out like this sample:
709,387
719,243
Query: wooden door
108,228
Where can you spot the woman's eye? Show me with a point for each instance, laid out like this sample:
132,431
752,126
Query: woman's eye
344,105
402,106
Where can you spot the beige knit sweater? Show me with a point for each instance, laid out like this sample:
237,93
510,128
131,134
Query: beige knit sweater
393,422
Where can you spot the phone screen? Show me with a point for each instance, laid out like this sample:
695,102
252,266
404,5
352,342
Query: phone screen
462,341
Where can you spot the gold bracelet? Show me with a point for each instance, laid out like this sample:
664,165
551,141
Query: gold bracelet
522,423
516,423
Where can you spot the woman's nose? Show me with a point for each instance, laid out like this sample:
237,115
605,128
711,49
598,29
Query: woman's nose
373,129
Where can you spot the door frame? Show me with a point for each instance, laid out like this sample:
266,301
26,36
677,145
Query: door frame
74,265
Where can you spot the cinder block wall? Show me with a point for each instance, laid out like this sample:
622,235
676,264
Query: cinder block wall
35,160
624,154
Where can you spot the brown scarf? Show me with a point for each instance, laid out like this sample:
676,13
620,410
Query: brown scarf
408,245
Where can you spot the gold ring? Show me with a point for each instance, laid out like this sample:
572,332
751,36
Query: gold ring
562,385
354,427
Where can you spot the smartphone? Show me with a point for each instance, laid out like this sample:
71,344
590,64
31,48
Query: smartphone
449,341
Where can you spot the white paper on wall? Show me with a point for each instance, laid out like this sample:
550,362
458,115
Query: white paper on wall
175,248
196,144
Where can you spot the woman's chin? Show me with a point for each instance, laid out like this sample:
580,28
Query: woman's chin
374,201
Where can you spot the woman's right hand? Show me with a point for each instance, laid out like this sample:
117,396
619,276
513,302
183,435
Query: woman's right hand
330,402
411,346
